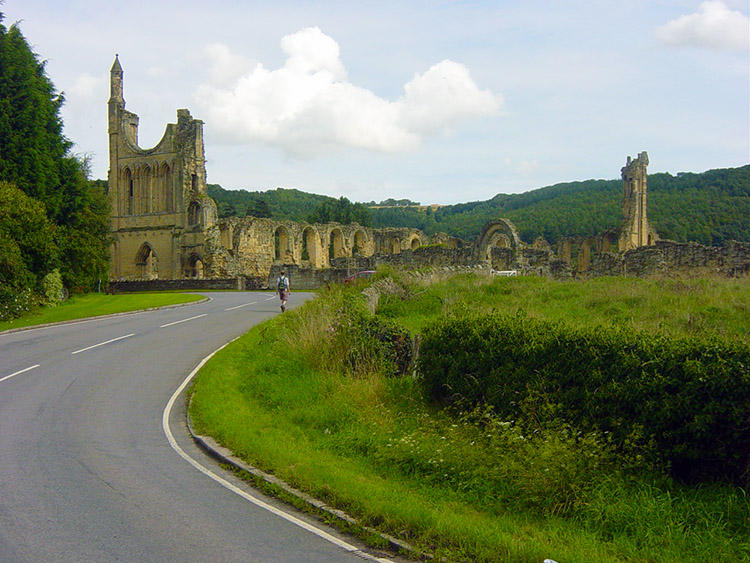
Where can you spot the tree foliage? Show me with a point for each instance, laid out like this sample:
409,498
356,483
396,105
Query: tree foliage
341,211
36,161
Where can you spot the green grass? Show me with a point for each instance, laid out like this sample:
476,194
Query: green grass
96,304
716,306
470,488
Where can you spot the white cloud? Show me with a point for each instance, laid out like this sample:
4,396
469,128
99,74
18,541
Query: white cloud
87,86
308,106
224,66
715,26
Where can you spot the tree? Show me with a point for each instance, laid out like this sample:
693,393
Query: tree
35,157
27,240
341,211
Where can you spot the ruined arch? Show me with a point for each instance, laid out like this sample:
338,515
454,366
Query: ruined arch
587,249
359,242
194,266
336,247
146,263
609,242
310,247
281,248
415,242
490,235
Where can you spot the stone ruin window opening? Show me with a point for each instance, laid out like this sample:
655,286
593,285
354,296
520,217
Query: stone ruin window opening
194,183
194,214
415,243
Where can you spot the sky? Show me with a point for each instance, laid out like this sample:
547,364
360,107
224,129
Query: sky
440,101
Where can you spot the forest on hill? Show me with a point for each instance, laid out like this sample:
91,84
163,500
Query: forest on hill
710,208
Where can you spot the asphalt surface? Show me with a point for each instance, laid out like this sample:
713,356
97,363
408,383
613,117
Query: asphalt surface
87,472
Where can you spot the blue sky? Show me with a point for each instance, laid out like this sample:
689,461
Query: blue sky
438,102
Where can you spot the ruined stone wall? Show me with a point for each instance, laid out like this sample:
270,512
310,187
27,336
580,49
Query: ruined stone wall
161,215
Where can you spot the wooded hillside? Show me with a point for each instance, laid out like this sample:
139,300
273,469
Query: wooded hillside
709,208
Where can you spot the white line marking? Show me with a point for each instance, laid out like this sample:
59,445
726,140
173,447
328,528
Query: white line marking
272,297
227,485
102,344
183,320
19,372
240,306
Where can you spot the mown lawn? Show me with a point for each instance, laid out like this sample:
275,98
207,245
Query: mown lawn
96,304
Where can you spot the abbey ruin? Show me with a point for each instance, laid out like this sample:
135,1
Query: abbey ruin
166,228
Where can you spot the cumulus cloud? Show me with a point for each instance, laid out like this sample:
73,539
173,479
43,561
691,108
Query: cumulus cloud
715,26
309,107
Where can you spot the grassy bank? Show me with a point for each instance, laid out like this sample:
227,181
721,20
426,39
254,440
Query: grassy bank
307,397
96,304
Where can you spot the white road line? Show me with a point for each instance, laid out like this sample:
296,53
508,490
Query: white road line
101,344
183,320
19,372
272,297
227,485
240,306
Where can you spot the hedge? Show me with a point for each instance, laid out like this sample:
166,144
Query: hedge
677,403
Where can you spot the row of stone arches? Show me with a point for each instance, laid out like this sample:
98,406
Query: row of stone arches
147,264
148,189
310,246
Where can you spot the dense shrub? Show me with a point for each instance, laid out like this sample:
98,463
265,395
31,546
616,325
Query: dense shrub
681,403
370,343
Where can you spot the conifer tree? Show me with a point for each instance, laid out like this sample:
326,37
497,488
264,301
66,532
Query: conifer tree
36,157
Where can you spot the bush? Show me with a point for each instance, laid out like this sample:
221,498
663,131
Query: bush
679,403
370,344
52,288
14,303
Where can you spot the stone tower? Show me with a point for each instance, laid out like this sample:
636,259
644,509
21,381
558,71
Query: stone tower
162,216
635,230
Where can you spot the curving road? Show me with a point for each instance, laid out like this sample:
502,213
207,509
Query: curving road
86,470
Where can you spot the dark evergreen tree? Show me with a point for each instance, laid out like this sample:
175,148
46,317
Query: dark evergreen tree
35,157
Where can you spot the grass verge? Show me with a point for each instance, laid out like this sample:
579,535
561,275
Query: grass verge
96,304
291,398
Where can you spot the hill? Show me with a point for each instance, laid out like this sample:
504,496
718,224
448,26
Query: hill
709,208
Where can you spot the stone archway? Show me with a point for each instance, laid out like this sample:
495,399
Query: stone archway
194,267
281,248
146,263
415,243
310,247
490,235
359,242
336,247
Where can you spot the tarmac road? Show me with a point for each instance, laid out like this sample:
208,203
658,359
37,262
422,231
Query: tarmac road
86,470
